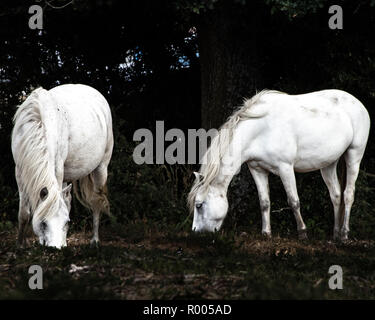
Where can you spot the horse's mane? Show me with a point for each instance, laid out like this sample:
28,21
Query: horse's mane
212,159
33,165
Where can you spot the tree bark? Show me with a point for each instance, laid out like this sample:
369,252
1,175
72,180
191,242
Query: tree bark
229,55
230,37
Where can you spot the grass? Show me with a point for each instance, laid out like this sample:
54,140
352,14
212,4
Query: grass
142,260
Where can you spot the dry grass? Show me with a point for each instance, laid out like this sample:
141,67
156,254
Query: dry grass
141,261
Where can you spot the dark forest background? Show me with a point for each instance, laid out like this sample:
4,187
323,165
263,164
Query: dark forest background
189,63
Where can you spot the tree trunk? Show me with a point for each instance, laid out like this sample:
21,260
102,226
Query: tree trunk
230,38
228,48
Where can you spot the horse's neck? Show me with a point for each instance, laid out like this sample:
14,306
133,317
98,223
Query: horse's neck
232,160
35,156
52,121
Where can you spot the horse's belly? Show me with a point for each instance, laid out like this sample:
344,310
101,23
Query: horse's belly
324,151
85,153
79,165
321,140
312,164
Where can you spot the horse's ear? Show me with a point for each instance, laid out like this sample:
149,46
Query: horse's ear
66,190
43,193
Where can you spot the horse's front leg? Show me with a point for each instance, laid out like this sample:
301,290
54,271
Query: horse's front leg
23,219
261,181
96,220
23,212
288,179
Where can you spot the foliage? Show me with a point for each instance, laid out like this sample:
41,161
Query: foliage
143,58
296,8
146,191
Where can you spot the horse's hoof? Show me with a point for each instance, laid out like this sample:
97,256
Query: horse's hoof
266,235
302,235
336,236
94,243
344,235
344,238
21,244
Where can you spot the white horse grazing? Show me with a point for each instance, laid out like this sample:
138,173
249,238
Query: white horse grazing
280,133
61,135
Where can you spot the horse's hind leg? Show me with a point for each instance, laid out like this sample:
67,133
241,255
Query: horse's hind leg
288,179
330,178
99,201
353,159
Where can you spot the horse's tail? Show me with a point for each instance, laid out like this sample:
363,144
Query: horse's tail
342,179
89,196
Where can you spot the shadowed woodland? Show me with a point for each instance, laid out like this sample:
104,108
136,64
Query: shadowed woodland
189,63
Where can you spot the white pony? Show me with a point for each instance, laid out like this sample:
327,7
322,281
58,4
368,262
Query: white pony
61,135
280,133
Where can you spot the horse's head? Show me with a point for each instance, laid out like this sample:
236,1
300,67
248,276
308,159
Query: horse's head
53,229
210,209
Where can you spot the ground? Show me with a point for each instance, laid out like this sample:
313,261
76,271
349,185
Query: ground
143,261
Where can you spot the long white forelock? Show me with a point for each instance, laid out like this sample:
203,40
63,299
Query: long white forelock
33,165
211,160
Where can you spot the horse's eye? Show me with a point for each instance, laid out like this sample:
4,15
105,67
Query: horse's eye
198,205
43,193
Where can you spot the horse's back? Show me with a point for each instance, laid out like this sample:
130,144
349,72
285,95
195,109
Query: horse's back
316,128
89,121
87,98
358,115
335,105
322,113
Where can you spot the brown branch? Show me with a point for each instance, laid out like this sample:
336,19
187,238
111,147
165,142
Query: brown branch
60,7
372,175
282,209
